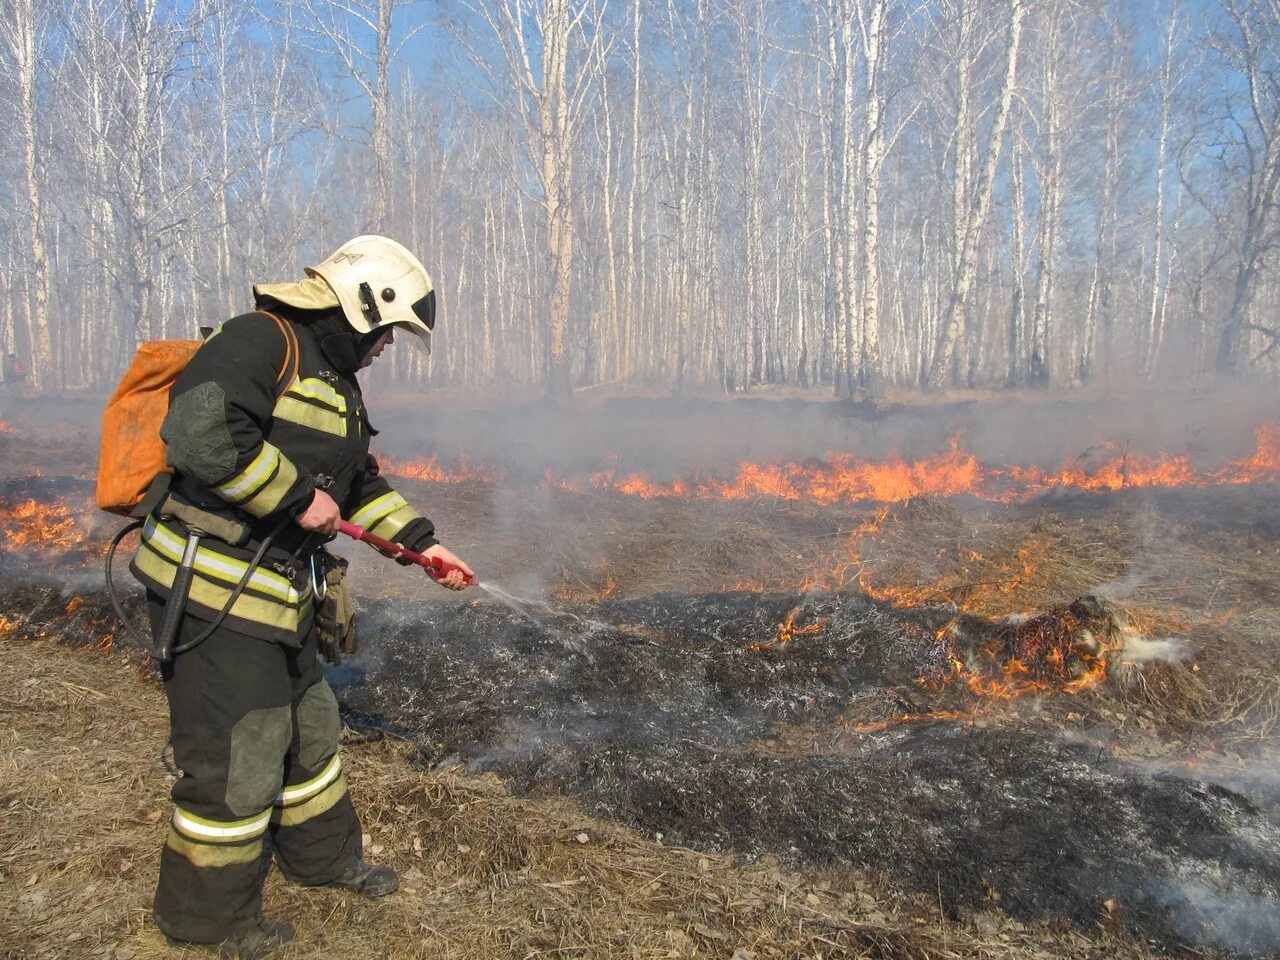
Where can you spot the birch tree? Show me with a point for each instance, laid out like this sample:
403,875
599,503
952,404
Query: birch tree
1169,79
21,50
361,36
966,265
1253,128
875,42
536,41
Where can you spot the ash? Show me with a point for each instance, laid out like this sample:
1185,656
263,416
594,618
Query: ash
672,723
689,716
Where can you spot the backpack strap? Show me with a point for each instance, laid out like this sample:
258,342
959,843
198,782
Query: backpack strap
289,368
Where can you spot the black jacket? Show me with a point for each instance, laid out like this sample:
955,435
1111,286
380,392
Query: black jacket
243,448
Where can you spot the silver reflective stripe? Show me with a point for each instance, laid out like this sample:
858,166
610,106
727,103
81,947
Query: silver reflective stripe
253,476
304,790
200,828
375,510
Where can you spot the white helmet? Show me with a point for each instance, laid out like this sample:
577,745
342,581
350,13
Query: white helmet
376,281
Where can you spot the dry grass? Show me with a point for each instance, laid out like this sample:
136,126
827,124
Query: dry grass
485,875
1214,593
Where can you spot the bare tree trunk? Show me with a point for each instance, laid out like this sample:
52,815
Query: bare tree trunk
828,351
1039,369
1258,24
967,265
1100,307
849,331
626,344
609,339
20,38
1017,311
876,47
557,181
1155,332
380,107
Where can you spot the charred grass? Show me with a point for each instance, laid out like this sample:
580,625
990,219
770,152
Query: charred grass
1199,569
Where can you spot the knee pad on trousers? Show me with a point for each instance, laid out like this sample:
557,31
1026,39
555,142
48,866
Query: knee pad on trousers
259,744
318,725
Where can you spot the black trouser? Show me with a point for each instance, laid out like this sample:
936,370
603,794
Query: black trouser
255,733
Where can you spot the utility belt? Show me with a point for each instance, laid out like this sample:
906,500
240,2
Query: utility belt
302,560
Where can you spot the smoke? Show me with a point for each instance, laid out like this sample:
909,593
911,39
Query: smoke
1122,588
1138,648
1237,920
666,437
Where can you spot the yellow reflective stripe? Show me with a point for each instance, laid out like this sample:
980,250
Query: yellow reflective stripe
301,791
389,526
271,613
251,477
214,854
170,546
202,828
309,415
319,390
273,491
309,809
376,509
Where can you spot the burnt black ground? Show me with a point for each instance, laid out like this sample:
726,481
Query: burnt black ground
658,726
657,713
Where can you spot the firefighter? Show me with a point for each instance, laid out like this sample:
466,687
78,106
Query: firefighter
267,470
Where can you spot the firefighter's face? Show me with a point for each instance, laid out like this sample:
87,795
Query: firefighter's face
388,337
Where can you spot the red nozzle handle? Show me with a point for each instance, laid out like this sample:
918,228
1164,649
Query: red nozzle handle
433,565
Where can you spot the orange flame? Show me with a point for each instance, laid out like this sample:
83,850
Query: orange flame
59,525
31,523
787,631
431,471
843,478
1042,654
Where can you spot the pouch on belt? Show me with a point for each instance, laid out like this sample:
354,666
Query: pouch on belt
335,610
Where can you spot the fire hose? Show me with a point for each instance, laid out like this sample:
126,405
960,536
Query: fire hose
434,566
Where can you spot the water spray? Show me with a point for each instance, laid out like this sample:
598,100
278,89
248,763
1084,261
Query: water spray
438,568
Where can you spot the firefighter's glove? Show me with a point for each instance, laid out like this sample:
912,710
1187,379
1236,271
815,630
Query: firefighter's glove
336,614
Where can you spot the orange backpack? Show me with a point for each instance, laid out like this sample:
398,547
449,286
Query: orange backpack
133,455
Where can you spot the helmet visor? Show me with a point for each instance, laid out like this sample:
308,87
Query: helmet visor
425,310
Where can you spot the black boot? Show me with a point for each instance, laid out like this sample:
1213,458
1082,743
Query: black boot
261,939
366,879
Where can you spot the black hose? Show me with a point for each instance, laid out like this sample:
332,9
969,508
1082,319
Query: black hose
111,584
222,614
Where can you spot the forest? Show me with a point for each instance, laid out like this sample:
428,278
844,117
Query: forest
681,195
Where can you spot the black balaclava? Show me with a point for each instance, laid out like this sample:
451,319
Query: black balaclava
368,340
341,344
